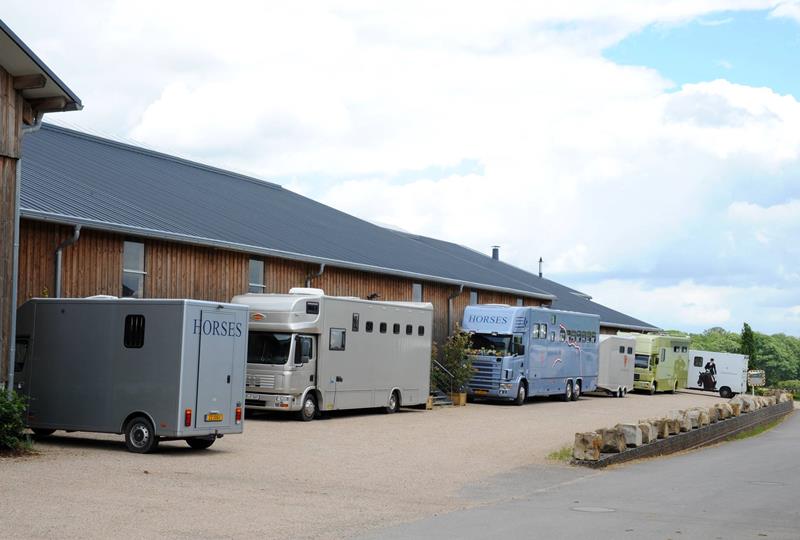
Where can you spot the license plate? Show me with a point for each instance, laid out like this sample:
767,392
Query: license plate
214,417
257,397
481,392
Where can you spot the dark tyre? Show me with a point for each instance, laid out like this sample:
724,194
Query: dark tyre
42,432
567,396
624,392
652,389
200,443
522,394
619,392
725,392
309,410
140,437
576,391
674,388
394,403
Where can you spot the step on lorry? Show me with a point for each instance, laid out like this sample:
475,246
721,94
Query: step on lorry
661,362
518,352
152,370
728,375
309,352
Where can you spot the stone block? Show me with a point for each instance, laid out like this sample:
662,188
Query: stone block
713,415
694,418
613,440
632,434
649,432
662,428
736,408
587,446
674,427
725,410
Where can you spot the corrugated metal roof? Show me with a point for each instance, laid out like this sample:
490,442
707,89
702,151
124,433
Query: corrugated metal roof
76,178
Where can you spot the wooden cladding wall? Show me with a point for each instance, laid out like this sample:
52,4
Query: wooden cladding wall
11,111
93,265
185,271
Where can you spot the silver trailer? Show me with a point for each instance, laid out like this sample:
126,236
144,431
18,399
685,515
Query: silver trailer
308,352
616,362
149,369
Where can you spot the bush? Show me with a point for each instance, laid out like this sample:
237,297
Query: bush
792,385
455,361
12,424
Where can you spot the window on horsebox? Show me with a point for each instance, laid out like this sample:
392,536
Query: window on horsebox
416,292
382,328
133,273
355,322
552,336
337,339
134,332
630,350
420,330
543,331
535,333
622,349
368,327
562,335
395,328
255,277
698,361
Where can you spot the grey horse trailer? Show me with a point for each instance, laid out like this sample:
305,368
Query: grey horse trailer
149,369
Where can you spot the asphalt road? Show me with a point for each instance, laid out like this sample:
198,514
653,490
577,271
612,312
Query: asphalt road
740,489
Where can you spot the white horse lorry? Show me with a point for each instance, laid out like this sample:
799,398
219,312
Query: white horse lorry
616,360
731,376
308,352
149,369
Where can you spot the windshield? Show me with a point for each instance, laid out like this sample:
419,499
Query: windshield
268,348
642,361
489,344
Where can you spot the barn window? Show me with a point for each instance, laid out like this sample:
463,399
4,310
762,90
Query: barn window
416,292
133,273
520,302
134,332
473,298
337,339
256,277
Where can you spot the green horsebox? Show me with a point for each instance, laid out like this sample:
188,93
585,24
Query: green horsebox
661,363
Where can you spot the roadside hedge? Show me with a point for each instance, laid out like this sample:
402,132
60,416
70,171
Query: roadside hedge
12,425
792,385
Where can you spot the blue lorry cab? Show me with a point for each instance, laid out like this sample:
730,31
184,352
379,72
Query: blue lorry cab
518,352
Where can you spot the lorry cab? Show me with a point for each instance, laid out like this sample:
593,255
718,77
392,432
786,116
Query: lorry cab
661,362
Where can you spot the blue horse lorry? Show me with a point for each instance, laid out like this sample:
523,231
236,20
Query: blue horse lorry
519,352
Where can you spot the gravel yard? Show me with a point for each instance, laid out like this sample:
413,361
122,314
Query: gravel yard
283,478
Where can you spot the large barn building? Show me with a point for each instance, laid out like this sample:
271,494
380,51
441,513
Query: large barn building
101,217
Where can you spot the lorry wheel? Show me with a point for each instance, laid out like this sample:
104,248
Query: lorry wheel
42,432
674,388
576,391
724,392
394,403
652,389
200,443
619,392
140,437
567,392
522,395
309,410
624,392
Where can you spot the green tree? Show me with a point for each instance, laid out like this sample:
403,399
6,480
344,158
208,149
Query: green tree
748,341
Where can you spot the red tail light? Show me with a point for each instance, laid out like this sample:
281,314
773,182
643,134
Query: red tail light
238,415
187,418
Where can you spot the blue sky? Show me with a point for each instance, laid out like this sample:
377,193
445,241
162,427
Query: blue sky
649,151
750,48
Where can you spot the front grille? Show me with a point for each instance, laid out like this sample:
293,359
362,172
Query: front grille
253,403
261,381
635,376
487,374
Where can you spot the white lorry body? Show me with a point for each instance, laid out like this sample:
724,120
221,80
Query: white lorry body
615,374
309,352
731,371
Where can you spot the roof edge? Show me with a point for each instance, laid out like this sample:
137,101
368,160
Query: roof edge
210,242
630,327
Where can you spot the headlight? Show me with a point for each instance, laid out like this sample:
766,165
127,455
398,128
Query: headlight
505,386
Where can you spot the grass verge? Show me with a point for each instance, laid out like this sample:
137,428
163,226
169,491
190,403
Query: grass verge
758,430
562,454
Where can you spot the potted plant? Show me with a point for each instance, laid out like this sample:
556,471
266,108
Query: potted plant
453,371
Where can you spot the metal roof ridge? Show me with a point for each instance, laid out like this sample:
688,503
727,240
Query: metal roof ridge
156,154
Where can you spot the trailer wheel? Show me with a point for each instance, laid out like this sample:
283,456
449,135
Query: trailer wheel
394,403
576,391
724,392
200,443
624,391
309,410
140,437
522,394
567,396
42,432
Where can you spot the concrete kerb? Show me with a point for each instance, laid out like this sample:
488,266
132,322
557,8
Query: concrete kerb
695,438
